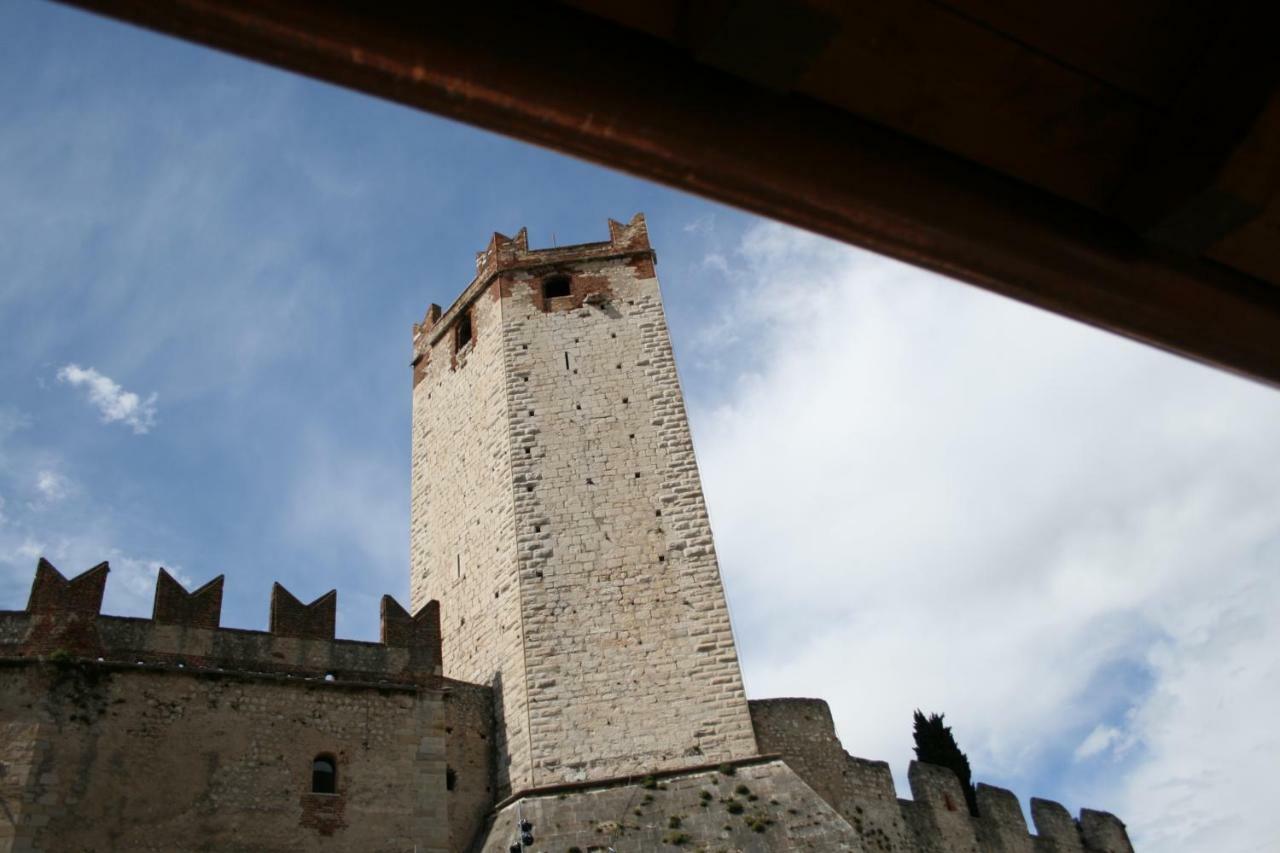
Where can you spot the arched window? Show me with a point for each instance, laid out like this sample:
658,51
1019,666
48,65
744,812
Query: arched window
556,285
324,774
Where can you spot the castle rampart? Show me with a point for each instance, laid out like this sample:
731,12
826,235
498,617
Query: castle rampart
157,733
803,733
62,616
804,793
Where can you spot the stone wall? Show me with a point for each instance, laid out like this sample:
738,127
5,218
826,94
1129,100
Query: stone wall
62,618
749,807
626,659
813,797
937,817
172,733
469,755
462,535
104,757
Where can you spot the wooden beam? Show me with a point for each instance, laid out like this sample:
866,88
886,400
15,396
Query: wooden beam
564,79
1181,194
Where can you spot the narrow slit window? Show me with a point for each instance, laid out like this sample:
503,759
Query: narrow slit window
324,774
462,332
556,286
566,361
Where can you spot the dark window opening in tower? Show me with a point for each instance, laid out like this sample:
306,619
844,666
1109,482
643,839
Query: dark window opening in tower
324,774
462,332
556,286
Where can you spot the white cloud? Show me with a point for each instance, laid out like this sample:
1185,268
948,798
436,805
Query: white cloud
953,502
717,262
12,420
27,550
704,224
52,486
112,401
1102,738
131,584
354,505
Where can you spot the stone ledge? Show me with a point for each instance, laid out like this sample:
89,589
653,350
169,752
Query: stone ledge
632,779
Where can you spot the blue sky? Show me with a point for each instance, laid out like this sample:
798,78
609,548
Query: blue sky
923,495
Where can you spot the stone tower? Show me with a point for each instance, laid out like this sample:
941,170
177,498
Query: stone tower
558,517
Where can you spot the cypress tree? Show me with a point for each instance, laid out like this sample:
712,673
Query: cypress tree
936,745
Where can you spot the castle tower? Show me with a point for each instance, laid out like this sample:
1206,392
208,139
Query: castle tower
558,517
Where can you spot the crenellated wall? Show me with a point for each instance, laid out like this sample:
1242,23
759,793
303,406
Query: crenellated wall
172,733
937,817
62,616
804,793
559,535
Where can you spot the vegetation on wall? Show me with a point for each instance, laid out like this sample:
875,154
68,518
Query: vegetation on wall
936,745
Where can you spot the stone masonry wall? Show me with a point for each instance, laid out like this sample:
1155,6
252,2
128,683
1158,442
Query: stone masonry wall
105,757
173,733
937,818
469,753
462,537
752,807
632,664
620,657
814,797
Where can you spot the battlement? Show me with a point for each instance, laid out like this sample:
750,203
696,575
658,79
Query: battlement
937,805
63,616
802,731
504,254
770,802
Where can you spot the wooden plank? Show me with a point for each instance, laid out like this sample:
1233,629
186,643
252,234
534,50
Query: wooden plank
556,77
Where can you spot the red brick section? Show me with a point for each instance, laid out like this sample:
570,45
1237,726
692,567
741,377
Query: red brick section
325,813
401,629
64,613
291,618
175,606
581,285
420,363
53,593
505,253
422,353
419,633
